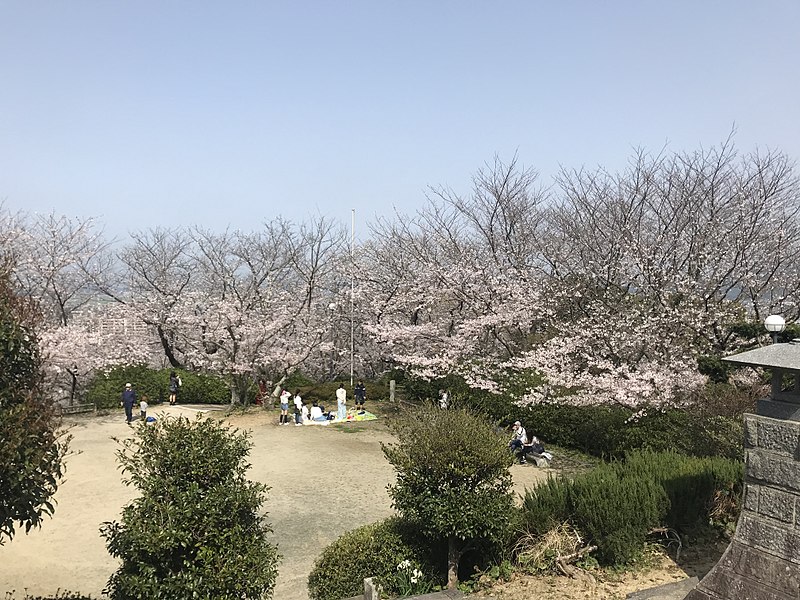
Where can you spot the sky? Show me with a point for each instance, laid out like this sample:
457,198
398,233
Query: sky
228,114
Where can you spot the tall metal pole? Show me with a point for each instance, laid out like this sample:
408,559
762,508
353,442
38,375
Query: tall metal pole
352,295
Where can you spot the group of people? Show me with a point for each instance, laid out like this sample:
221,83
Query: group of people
522,445
128,400
317,412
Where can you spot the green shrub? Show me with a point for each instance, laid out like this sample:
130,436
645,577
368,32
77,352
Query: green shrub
373,550
153,385
198,529
546,506
453,479
617,511
31,447
618,503
691,484
604,431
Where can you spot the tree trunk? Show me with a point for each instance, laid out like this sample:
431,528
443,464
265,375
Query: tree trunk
453,557
169,352
239,385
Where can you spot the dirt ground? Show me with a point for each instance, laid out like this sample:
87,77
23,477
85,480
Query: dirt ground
324,481
695,562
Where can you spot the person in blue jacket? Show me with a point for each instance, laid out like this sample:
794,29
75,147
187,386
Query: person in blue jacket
128,400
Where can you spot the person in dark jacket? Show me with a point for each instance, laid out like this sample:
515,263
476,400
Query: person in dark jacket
360,395
128,400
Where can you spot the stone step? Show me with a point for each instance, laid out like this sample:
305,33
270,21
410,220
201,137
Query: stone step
669,591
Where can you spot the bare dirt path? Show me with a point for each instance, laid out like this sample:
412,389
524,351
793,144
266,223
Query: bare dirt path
324,481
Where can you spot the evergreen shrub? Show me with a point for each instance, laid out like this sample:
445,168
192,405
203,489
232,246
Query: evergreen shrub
106,388
691,484
198,529
373,550
616,505
617,510
603,431
547,505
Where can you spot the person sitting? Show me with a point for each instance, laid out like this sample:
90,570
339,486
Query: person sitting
518,438
535,451
317,413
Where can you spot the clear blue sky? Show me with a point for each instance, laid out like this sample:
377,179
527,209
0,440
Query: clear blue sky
145,113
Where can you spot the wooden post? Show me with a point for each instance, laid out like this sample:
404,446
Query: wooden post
391,390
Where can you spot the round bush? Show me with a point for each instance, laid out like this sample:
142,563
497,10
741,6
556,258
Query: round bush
373,550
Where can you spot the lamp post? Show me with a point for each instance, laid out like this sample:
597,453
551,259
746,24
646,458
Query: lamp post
352,295
774,324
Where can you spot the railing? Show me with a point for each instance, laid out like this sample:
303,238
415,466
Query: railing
72,409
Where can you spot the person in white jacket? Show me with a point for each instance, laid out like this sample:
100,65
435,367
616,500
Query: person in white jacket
341,403
298,408
519,438
285,395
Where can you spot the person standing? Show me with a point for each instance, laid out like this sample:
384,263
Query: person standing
284,419
360,395
444,399
128,400
143,409
298,408
174,384
341,403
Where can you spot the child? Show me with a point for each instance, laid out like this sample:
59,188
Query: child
143,409
285,395
298,408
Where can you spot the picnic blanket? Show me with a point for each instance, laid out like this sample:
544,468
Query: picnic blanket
352,417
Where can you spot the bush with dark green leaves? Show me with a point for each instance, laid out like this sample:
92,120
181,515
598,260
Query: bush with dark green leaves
603,431
105,390
453,479
197,530
617,504
693,485
373,550
31,447
617,509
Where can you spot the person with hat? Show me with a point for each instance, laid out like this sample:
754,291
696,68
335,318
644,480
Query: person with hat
519,437
128,400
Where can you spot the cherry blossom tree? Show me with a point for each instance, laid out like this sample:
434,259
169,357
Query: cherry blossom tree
59,261
615,287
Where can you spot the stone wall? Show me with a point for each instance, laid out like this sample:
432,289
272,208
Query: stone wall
763,560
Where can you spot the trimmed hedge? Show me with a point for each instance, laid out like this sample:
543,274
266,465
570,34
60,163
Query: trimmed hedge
605,431
618,503
106,388
373,550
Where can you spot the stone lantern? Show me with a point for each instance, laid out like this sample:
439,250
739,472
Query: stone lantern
763,560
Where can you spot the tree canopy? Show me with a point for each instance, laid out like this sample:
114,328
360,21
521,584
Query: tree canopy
31,447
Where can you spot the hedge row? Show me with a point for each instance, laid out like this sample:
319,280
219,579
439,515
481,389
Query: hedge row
106,388
617,504
604,431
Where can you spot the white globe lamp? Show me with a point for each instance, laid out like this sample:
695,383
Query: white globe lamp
774,324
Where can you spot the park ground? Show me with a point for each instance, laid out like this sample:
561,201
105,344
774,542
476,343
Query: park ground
324,480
